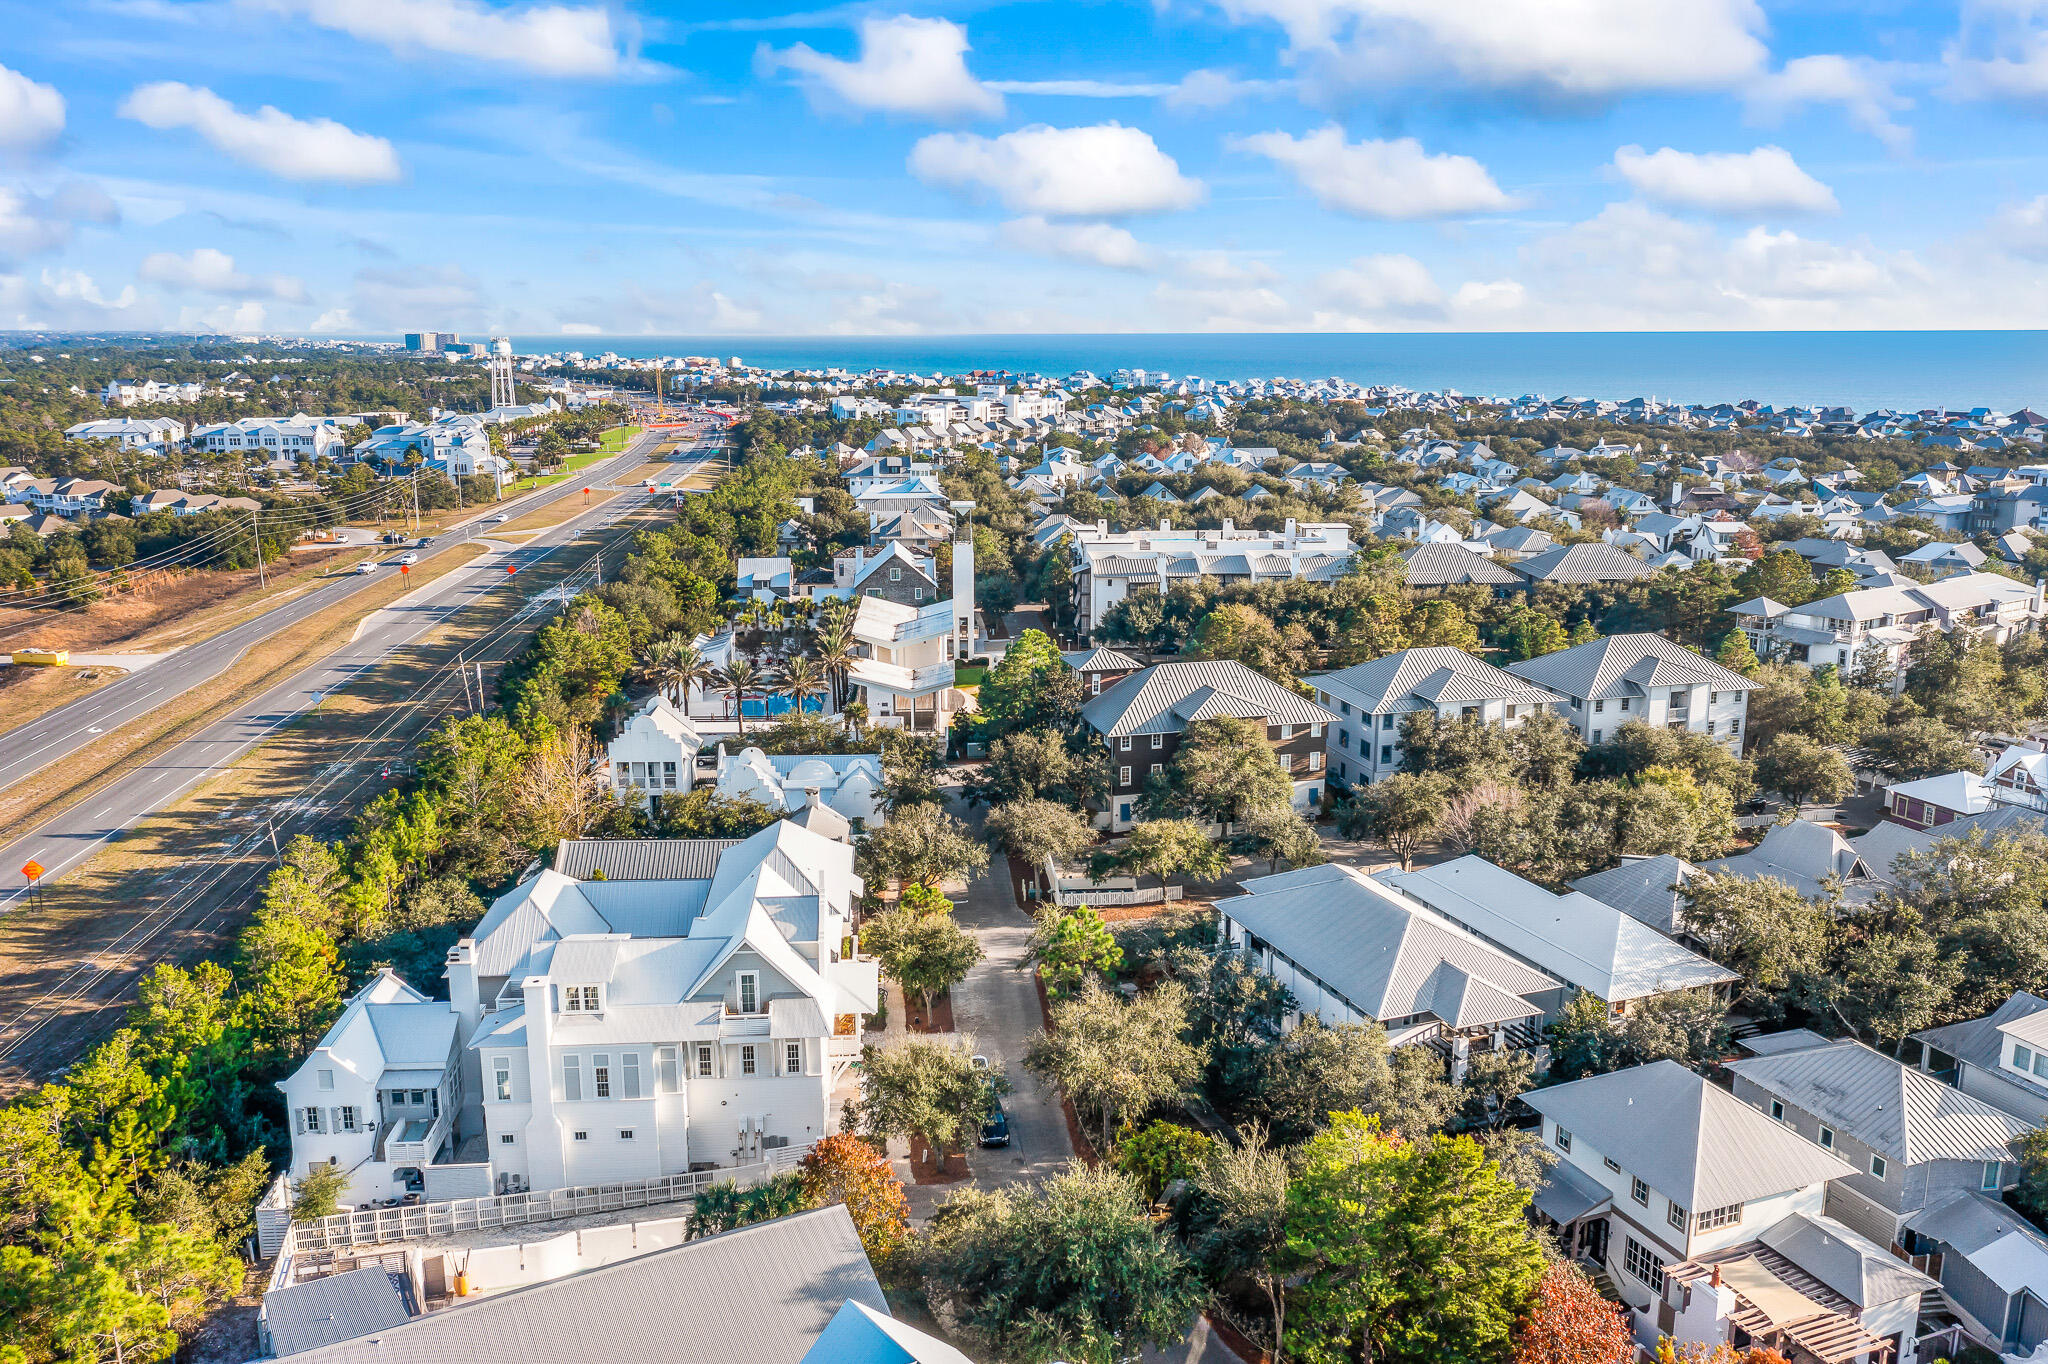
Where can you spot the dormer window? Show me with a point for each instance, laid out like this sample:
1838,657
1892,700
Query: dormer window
580,999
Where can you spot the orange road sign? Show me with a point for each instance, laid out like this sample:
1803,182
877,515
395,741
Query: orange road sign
32,870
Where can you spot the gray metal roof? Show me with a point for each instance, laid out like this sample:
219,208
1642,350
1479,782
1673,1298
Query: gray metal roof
1970,1224
1435,675
305,1316
1101,659
1166,697
764,1294
1642,888
1889,840
1437,565
1903,1114
1386,955
1978,1041
1778,1043
641,859
1852,1264
1800,853
1596,562
1690,1140
1568,1193
1623,665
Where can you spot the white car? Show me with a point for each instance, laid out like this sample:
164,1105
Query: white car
494,520
407,558
368,566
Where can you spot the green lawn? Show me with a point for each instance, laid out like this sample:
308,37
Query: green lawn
969,675
609,444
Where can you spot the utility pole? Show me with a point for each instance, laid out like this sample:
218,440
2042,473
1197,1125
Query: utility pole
416,502
256,529
479,685
462,670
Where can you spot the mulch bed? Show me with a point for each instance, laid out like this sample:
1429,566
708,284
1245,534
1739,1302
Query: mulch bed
926,1169
937,1018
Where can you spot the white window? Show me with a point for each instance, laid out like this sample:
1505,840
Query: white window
1123,743
1990,1181
704,1062
666,1072
601,1075
1315,731
1611,1163
1598,735
746,1060
1639,1191
1877,1167
1387,721
1778,1110
579,999
1315,762
572,1077
1158,742
1719,1217
1286,733
1827,1138
311,1119
345,1119
1564,1139
793,1058
419,1098
2022,1057
750,992
325,1078
1643,1265
1123,776
501,1074
625,1134
629,1075
1599,706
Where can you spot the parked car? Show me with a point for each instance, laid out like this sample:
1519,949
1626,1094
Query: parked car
995,1131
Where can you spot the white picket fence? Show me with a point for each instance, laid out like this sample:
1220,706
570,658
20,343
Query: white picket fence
1102,899
426,1221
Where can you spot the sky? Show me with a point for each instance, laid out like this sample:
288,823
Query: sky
577,168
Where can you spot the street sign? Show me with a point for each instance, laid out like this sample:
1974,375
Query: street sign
32,870
404,569
511,568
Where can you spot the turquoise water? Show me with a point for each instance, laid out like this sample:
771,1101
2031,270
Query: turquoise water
1907,370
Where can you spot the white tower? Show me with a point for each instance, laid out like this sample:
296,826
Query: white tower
963,580
501,373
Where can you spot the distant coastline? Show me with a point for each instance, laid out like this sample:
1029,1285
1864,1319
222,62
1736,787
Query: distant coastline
1864,370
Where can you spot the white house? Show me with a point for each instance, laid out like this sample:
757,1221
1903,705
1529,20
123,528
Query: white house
654,754
1370,700
1609,681
380,1094
1877,625
691,1008
297,437
1111,566
1710,1220
849,783
131,433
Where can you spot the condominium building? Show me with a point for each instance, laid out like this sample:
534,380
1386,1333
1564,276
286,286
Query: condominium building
1109,566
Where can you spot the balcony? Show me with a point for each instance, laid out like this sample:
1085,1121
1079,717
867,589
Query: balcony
893,677
415,1141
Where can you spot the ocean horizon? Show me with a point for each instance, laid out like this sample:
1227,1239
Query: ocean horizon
1864,370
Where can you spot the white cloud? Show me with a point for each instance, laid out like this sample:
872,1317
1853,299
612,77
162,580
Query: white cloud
1103,171
1374,179
2023,228
1760,181
1097,243
550,39
31,113
1858,84
269,139
907,65
1212,89
208,271
1382,284
1583,49
33,223
2000,51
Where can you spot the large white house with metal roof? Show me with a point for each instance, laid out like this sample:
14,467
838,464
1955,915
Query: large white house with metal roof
1610,681
1877,625
1109,566
1371,699
643,1007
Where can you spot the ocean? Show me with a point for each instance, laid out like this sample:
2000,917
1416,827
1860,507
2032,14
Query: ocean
1863,370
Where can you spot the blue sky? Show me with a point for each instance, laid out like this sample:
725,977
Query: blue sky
371,166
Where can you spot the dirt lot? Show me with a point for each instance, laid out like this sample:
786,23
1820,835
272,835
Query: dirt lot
28,693
176,886
168,611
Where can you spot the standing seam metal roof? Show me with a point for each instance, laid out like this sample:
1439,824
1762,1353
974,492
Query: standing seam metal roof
1150,702
1903,1114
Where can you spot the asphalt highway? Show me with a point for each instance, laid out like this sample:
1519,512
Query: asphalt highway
73,835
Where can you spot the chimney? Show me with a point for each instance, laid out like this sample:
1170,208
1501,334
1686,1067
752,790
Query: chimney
1677,492
1164,524
1716,1280
811,799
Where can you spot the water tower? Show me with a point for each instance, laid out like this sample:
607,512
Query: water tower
501,373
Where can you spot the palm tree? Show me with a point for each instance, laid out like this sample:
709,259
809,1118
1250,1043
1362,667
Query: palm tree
835,654
801,679
675,666
740,677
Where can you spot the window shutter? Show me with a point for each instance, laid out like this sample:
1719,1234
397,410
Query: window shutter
298,1121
